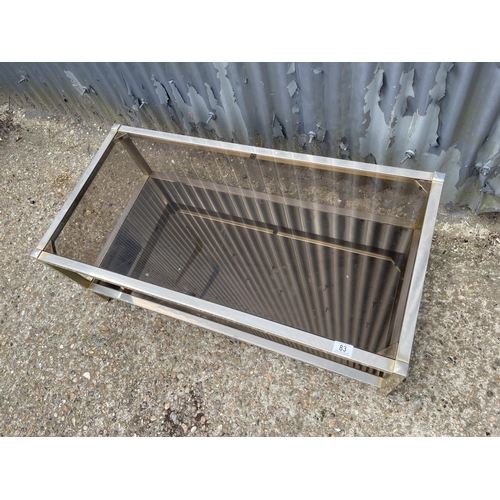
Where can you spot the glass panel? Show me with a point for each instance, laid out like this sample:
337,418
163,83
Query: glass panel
402,199
317,250
89,227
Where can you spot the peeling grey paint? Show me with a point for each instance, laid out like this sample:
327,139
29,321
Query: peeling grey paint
222,127
448,113
190,115
229,107
481,190
292,88
136,101
387,142
277,128
160,90
197,113
75,82
320,133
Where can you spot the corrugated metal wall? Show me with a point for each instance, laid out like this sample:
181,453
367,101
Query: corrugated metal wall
373,112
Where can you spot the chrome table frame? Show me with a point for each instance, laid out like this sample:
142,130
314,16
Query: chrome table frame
116,286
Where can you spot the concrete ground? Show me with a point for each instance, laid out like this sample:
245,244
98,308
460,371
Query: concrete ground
72,364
